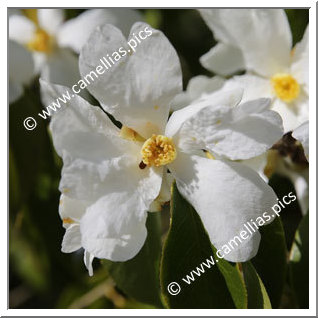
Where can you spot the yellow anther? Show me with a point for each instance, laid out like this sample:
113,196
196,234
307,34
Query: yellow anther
67,221
42,42
130,134
285,86
209,155
158,151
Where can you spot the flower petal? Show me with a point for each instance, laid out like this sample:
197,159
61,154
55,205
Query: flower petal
164,195
71,210
289,113
198,86
21,29
15,91
300,60
254,86
262,35
226,195
138,88
51,19
75,32
61,68
72,239
227,98
240,132
21,66
302,134
223,59
88,261
258,164
114,227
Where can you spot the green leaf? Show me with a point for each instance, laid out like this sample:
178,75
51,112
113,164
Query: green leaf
234,281
186,247
270,261
257,295
298,21
299,264
139,277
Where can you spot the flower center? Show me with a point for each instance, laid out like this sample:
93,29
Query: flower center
158,151
285,86
42,42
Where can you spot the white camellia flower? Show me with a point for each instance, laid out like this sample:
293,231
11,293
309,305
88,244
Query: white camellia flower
44,33
112,176
260,42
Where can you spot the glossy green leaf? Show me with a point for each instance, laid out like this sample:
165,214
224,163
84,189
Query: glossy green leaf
270,261
139,277
257,295
299,264
186,247
234,281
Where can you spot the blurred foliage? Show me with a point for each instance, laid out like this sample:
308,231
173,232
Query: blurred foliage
41,276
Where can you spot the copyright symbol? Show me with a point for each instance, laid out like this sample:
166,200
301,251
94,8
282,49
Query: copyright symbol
174,289
29,123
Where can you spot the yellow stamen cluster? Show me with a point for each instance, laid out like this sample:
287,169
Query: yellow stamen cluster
42,42
158,151
285,86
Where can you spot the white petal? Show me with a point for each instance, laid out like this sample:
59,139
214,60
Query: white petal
254,86
72,239
21,29
197,87
262,35
300,60
50,19
40,61
302,134
15,91
21,66
228,98
114,227
223,59
72,209
242,132
88,261
75,32
138,88
164,194
258,164
61,68
288,112
226,195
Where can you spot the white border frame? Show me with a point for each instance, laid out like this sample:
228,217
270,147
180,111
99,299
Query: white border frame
164,312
